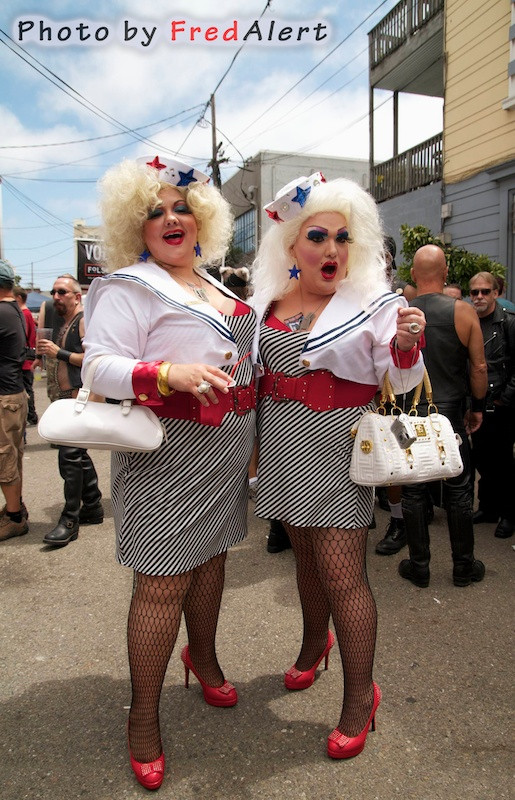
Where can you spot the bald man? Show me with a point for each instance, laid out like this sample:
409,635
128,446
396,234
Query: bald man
455,359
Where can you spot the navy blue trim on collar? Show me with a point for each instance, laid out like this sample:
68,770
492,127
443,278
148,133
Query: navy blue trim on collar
350,325
222,329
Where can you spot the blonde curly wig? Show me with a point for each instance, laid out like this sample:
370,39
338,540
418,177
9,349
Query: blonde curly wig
366,264
129,191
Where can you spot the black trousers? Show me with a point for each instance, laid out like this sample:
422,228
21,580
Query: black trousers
80,481
492,457
28,385
457,501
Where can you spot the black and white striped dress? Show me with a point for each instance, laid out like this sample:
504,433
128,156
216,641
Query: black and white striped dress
179,506
304,455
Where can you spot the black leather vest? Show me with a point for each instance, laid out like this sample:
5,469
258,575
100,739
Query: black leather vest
445,357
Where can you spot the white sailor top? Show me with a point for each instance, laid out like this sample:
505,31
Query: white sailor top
141,314
354,343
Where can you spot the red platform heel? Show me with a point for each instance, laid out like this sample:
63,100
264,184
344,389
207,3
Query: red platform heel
220,696
295,679
151,774
341,746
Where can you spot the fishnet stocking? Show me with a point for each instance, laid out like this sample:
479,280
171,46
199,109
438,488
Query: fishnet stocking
153,625
331,574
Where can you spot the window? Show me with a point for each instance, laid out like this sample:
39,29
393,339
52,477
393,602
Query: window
245,231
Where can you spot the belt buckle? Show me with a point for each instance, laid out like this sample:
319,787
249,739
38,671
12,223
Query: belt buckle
279,380
244,399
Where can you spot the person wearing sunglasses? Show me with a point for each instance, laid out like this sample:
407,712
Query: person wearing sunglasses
65,354
492,444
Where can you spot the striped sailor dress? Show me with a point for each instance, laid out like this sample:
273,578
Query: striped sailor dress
179,506
304,455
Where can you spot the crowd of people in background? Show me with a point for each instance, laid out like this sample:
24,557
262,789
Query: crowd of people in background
320,318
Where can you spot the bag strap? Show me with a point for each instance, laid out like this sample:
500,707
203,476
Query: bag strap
388,395
85,390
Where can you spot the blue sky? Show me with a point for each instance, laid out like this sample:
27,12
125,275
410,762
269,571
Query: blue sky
267,100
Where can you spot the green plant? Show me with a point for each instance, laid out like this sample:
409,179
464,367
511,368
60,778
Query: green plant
462,264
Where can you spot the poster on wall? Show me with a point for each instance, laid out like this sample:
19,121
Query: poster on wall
90,256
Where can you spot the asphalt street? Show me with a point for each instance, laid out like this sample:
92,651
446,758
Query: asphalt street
444,662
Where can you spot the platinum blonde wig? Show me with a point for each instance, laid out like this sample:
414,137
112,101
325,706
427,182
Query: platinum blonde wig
129,191
366,264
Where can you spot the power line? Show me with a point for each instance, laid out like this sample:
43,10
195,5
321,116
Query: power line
352,32
97,138
73,93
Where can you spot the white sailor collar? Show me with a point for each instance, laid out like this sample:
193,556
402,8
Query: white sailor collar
156,280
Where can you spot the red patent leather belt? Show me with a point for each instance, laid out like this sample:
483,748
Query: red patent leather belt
319,390
182,405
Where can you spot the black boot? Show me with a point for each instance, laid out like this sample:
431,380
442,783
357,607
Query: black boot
65,531
91,512
394,540
70,469
466,569
414,511
278,539
407,570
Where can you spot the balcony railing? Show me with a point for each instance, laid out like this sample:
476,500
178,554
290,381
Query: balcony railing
418,166
401,22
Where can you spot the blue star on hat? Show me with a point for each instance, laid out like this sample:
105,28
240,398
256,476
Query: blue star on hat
186,178
301,196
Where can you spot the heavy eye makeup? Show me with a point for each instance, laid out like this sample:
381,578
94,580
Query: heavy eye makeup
180,208
318,235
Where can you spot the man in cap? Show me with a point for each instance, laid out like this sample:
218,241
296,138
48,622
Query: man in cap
13,407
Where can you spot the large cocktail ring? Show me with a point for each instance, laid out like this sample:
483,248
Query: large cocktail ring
414,327
203,387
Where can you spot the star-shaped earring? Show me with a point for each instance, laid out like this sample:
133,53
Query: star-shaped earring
198,250
144,256
294,272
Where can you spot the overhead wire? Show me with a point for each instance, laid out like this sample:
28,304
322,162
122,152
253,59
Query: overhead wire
71,92
309,72
97,138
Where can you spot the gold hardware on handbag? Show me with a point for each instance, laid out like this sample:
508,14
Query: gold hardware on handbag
391,449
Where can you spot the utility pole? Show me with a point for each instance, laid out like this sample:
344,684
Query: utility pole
214,161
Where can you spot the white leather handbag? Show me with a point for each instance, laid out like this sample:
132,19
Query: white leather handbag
392,449
81,422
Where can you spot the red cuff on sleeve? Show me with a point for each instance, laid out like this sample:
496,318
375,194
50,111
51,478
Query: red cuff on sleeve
405,359
144,383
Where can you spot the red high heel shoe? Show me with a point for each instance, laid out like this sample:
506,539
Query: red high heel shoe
341,746
220,696
151,774
295,679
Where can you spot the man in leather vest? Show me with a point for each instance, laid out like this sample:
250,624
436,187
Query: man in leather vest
492,444
75,465
455,361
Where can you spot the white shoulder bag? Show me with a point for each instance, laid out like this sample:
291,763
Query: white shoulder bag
395,449
80,422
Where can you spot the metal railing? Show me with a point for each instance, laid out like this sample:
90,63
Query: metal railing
401,22
418,166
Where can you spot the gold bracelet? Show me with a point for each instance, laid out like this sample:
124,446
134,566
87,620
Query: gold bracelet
162,379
